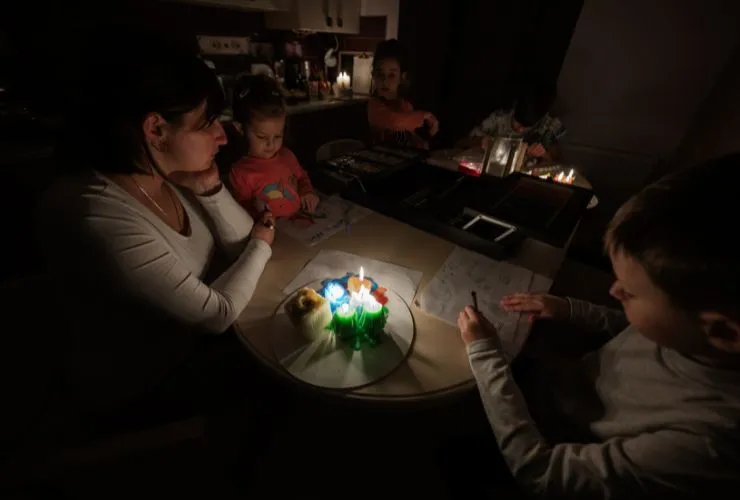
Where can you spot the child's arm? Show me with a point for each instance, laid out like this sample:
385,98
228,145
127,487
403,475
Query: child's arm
381,116
599,319
662,464
596,319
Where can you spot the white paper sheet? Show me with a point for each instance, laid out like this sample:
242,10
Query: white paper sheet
465,271
335,264
332,215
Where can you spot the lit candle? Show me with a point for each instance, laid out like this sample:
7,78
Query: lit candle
570,178
344,323
343,80
355,284
372,320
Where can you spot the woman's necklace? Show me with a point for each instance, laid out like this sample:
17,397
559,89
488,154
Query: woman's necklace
149,197
177,212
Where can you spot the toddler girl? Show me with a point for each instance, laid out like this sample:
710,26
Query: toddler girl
268,177
393,119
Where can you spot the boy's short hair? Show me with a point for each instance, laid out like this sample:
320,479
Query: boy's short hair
681,230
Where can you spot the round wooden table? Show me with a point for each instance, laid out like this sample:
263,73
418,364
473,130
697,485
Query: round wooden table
437,364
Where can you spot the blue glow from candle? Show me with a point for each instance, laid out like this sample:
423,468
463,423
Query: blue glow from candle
336,295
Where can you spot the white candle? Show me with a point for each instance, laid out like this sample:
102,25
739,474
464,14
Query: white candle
343,80
371,305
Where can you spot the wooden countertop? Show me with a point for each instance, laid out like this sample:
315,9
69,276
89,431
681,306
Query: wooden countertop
437,364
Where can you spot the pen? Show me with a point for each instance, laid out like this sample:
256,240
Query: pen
475,301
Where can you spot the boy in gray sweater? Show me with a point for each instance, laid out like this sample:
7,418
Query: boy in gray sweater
655,412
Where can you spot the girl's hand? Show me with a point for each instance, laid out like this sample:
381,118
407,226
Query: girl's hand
201,183
431,121
264,228
474,326
537,150
309,202
537,305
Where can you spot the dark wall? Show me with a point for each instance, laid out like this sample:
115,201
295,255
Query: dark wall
48,41
637,72
716,130
425,33
471,58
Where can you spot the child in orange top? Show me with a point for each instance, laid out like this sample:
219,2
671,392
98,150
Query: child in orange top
393,119
269,176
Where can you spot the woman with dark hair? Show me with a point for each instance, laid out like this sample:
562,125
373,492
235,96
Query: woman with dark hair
135,241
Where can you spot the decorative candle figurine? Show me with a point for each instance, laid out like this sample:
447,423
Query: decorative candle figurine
309,312
355,284
359,312
335,294
344,325
372,320
380,296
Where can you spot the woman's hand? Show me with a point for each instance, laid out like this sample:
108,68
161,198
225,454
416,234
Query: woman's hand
431,121
264,228
309,202
537,305
474,326
202,183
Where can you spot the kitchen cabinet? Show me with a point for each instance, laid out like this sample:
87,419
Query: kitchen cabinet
384,8
258,5
328,16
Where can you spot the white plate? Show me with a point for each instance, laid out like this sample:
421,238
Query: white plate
331,364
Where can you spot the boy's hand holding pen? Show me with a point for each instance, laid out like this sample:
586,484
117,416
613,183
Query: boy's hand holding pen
472,324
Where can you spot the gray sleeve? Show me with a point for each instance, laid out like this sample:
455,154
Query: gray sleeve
597,318
134,259
666,463
489,126
231,223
